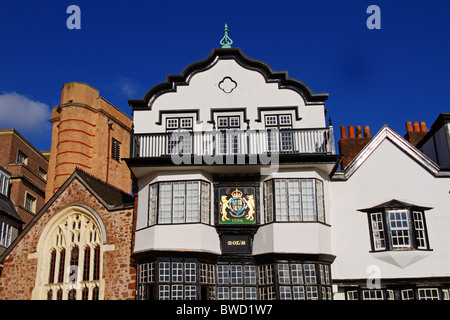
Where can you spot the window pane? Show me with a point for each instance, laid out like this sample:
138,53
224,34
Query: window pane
177,292
271,120
237,293
285,120
283,273
177,272
186,122
236,274
250,274
281,200
164,271
377,230
320,201
428,294
178,201
165,202
285,293
164,293
294,199
222,274
419,226
299,292
399,228
308,200
268,201
296,269
310,273
205,202
234,121
172,123
190,292
153,200
192,201
250,293
190,275
311,293
223,293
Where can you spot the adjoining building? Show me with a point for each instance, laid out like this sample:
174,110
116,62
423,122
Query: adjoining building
28,168
10,222
78,245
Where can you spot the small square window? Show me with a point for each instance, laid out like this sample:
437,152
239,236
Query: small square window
22,157
42,173
186,123
222,122
115,149
271,120
30,203
285,120
172,123
234,122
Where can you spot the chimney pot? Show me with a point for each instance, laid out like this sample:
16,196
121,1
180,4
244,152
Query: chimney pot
423,127
409,127
351,132
343,132
416,126
366,132
358,132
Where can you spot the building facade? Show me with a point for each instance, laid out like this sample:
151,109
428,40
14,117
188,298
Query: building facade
10,222
89,133
232,162
28,167
239,194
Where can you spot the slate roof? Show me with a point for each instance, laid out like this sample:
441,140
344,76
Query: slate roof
8,209
394,204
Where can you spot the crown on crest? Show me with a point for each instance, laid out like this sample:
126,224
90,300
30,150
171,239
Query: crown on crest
236,193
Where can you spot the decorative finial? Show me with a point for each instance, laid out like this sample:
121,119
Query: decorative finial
226,42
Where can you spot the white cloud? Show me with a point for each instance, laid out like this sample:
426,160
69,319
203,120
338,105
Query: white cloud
23,114
128,87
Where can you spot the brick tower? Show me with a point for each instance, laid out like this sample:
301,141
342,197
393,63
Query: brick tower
89,133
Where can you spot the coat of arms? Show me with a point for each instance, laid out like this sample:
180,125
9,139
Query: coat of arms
237,206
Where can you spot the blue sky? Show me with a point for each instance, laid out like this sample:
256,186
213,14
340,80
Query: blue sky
398,73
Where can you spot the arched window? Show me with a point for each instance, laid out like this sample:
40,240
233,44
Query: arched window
51,276
86,263
70,256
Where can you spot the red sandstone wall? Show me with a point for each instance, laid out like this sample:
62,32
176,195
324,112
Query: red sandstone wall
19,273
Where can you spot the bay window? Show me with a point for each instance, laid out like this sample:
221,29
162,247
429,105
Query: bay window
294,200
179,202
397,225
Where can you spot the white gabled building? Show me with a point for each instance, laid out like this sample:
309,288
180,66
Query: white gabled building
390,212
239,196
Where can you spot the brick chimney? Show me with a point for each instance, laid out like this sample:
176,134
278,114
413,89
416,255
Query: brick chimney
415,132
351,145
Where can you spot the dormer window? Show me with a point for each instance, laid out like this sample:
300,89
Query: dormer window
228,122
179,123
397,225
278,120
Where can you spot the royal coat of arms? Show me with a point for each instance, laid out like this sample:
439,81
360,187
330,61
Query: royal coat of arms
237,206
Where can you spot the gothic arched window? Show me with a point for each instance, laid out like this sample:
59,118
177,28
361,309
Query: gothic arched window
70,256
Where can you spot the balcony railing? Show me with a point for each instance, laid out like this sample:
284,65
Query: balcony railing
234,142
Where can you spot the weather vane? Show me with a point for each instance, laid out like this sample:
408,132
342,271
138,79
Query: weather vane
226,42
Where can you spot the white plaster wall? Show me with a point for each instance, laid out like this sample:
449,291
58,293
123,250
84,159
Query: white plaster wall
293,237
178,237
388,174
251,92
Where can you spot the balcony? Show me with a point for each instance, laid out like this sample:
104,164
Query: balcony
234,143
